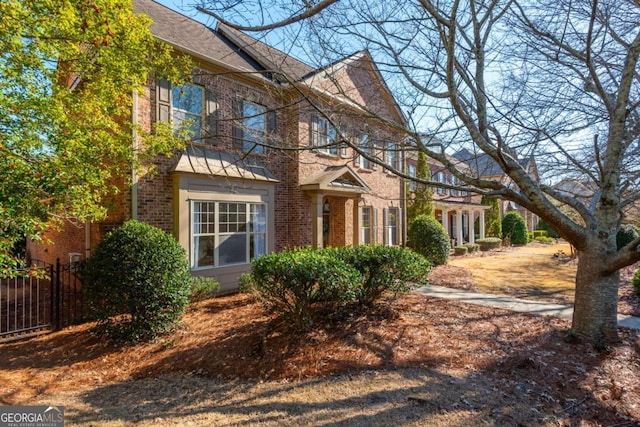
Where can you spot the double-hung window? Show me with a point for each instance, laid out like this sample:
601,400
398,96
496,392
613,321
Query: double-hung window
366,146
224,233
440,177
188,105
411,171
324,136
391,220
254,127
187,102
391,155
367,225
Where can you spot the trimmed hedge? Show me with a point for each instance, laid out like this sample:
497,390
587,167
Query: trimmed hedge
472,247
428,237
514,228
460,250
544,239
292,281
384,268
489,243
137,283
298,283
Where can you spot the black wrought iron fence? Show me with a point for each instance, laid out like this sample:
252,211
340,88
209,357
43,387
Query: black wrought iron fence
43,297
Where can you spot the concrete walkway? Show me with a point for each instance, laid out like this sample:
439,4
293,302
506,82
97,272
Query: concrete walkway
507,303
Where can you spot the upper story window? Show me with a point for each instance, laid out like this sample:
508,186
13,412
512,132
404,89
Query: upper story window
366,146
391,154
454,181
411,171
254,127
187,104
324,136
440,177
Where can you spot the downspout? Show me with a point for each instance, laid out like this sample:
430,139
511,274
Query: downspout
134,170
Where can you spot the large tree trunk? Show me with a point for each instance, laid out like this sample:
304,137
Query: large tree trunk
595,314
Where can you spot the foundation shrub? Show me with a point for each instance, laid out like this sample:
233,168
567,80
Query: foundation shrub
293,282
460,250
428,237
137,283
203,288
471,247
544,239
540,233
383,270
515,228
489,243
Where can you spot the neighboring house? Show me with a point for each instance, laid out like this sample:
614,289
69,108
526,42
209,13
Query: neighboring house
460,212
266,170
485,167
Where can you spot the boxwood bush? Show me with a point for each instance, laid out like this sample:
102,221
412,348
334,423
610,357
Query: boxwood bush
137,283
460,250
514,228
472,247
489,243
428,237
383,269
292,281
626,234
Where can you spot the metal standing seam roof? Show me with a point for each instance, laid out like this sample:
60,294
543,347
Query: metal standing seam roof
203,161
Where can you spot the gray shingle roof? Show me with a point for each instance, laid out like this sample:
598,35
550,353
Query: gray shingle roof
192,36
222,45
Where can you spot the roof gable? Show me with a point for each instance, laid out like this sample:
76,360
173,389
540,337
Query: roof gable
341,179
357,81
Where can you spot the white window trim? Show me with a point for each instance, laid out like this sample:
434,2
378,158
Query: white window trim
217,234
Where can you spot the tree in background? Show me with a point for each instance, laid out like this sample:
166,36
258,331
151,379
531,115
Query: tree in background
421,201
506,79
68,72
492,219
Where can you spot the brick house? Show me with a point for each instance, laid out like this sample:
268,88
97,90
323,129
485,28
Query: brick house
267,167
460,212
485,167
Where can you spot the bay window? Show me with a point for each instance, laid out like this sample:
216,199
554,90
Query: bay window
224,233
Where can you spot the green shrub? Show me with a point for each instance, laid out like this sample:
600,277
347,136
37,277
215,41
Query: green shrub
542,225
489,243
137,283
492,217
383,268
544,239
636,282
246,283
203,288
530,236
428,237
626,234
292,281
514,228
471,247
540,233
460,250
